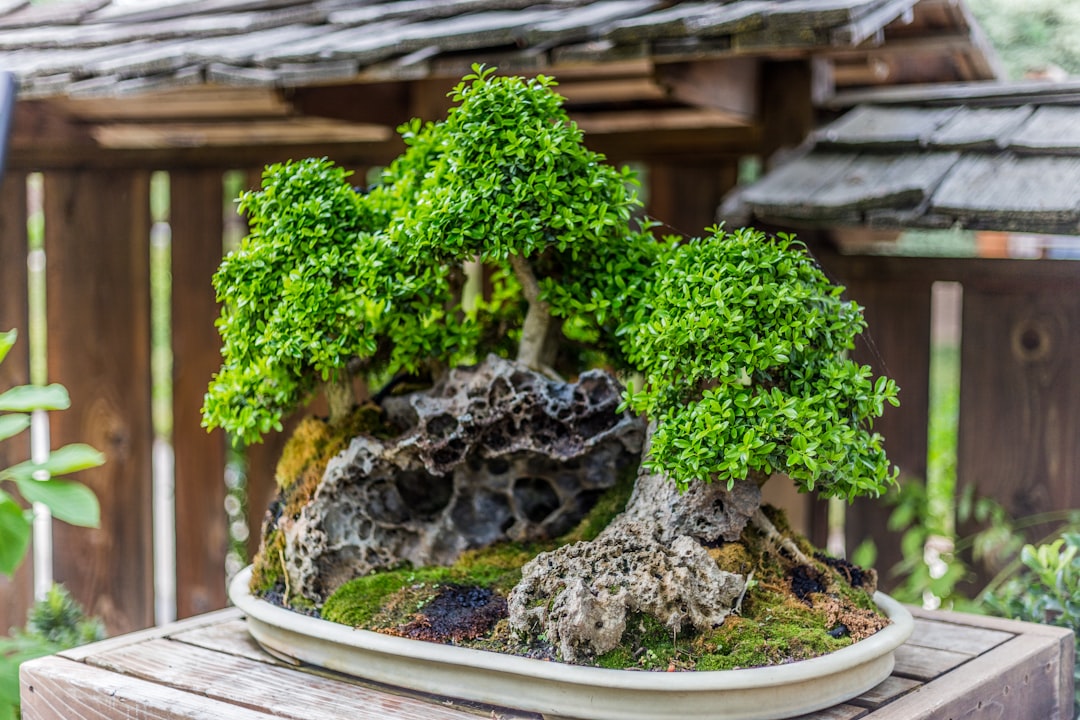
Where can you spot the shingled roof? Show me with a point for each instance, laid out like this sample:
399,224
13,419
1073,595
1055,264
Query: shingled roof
168,82
1003,157
97,47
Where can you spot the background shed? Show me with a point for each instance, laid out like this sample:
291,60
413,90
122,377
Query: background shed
113,91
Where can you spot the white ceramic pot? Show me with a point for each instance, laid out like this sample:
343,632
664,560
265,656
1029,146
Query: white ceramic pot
559,690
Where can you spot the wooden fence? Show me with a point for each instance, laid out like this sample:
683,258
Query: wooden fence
1020,406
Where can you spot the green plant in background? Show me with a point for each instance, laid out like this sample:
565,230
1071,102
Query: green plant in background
742,341
68,500
55,623
1046,590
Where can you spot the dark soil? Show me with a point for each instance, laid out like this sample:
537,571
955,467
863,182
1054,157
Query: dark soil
805,581
856,576
456,613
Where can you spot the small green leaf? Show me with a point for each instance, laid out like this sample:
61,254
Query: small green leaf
69,501
7,340
12,425
25,398
14,535
68,459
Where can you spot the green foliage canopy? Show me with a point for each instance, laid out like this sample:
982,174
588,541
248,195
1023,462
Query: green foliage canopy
740,338
315,286
742,342
506,173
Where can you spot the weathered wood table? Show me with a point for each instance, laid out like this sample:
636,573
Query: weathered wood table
954,666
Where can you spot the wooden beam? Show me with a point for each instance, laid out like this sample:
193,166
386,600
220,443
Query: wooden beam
595,92
730,85
186,135
602,123
16,593
97,241
195,103
202,537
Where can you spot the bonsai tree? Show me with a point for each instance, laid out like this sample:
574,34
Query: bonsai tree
739,341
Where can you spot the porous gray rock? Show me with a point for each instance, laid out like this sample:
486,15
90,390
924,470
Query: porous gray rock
581,596
492,452
651,559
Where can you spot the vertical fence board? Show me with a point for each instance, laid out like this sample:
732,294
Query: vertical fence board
202,534
97,240
17,591
897,344
1019,440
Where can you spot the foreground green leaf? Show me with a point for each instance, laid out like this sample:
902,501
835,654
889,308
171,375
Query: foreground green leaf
14,535
25,398
69,501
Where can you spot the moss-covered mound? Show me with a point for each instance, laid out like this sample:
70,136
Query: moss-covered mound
789,612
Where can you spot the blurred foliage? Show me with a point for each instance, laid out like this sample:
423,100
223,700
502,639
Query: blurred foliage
1032,35
55,623
1045,590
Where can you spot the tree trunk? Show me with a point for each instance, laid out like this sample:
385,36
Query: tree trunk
340,396
653,558
533,350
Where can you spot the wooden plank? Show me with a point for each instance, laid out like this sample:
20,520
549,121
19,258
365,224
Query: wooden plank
202,534
925,664
674,119
253,132
1012,192
1050,129
732,84
957,638
16,592
188,104
55,688
875,181
97,233
885,692
178,627
1019,679
837,712
1017,444
871,23
878,127
576,24
229,636
281,691
980,128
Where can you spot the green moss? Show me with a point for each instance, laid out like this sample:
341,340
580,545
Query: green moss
358,601
266,570
780,629
315,441
647,645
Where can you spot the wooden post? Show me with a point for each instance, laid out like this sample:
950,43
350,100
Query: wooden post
1020,395
16,593
202,533
897,344
97,242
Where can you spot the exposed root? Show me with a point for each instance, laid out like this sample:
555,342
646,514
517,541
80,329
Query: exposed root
285,574
778,540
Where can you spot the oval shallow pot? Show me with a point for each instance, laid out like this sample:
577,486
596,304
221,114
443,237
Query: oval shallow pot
558,690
